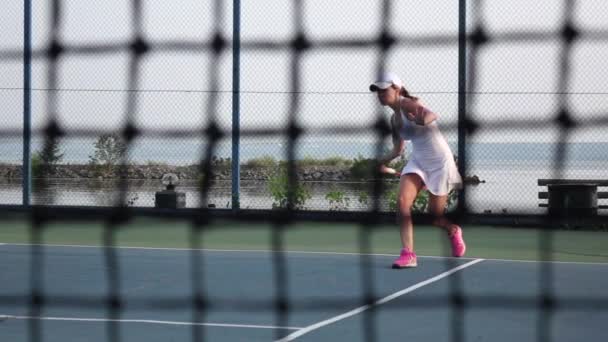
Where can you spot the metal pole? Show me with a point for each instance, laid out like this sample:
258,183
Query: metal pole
462,97
27,102
236,114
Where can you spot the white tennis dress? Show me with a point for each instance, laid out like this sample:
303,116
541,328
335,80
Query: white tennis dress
431,157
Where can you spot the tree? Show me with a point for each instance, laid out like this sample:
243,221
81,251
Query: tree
44,162
110,149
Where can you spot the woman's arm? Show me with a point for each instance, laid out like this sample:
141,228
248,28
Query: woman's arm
417,112
398,147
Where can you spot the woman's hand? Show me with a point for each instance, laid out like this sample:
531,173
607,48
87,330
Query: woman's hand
419,117
388,170
410,116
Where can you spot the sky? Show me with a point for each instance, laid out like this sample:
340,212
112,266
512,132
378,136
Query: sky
335,80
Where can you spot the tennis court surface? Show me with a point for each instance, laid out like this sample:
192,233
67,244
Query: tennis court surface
326,283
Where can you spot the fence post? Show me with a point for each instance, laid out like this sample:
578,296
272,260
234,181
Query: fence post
27,103
462,97
236,114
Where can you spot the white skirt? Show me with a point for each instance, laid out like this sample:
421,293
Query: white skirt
439,179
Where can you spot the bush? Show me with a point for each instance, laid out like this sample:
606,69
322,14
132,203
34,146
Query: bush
422,201
362,168
262,162
156,163
391,196
337,200
363,198
420,205
278,186
399,164
452,200
332,161
220,163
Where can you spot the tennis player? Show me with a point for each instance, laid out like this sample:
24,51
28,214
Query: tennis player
431,164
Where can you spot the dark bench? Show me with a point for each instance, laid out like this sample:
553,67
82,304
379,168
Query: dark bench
573,195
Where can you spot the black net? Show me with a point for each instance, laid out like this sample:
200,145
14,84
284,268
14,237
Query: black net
471,44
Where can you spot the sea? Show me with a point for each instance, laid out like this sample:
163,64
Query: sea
508,170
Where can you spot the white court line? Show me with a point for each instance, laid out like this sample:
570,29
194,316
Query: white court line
72,319
307,252
386,299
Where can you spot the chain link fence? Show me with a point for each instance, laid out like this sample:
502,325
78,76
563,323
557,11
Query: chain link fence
522,74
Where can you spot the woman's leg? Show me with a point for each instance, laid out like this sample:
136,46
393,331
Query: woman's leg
409,187
437,206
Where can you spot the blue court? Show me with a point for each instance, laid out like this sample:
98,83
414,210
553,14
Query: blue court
324,289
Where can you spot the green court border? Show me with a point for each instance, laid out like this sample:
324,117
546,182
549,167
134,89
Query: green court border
485,242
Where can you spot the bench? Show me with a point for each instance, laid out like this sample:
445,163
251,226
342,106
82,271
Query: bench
573,195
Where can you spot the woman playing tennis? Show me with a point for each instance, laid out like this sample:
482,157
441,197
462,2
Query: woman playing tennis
431,164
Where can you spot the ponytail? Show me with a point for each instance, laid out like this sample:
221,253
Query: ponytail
403,92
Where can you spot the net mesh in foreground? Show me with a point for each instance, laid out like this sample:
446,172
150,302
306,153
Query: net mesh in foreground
138,47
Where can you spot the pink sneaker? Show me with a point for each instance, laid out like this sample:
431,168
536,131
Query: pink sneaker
458,245
405,260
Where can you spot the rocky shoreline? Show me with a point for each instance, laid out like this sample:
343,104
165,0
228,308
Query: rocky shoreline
191,172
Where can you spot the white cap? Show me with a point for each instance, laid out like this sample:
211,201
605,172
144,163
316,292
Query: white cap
386,80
